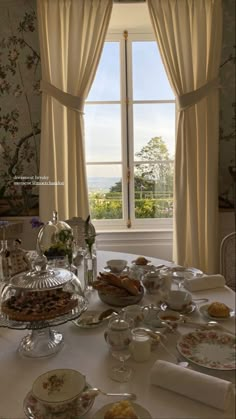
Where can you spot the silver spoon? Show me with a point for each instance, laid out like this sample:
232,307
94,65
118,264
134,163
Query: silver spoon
106,314
210,324
94,392
157,336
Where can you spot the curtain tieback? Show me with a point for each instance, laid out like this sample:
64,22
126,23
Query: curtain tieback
191,98
66,99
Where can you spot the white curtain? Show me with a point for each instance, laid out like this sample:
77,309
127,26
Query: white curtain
189,36
72,34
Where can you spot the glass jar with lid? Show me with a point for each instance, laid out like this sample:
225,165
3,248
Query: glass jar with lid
157,281
55,239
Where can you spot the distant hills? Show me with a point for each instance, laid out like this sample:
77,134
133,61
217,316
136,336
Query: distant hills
101,184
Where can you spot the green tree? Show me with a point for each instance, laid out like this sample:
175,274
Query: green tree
159,172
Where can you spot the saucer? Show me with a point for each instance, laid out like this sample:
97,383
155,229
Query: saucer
188,310
109,270
33,409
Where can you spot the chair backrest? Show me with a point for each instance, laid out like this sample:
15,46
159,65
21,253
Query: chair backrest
228,259
78,226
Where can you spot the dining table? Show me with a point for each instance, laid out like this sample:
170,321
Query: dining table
86,350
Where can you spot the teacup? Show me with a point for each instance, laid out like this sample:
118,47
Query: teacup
178,300
116,265
58,390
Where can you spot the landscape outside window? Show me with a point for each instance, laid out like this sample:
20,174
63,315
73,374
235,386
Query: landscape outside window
130,134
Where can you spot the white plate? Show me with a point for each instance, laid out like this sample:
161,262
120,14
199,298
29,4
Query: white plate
35,410
209,349
204,312
141,412
85,321
188,310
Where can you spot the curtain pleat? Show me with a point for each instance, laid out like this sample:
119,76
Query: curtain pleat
72,35
189,37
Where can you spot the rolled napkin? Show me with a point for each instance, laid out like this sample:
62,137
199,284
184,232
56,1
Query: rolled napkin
204,282
195,385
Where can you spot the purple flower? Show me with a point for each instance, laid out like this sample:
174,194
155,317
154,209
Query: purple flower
36,223
4,224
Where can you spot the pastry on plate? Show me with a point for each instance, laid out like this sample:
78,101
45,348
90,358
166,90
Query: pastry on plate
217,309
141,260
121,410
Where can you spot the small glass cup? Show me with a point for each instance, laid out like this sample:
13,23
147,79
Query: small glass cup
118,337
140,346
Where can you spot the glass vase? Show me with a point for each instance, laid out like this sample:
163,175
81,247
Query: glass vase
90,267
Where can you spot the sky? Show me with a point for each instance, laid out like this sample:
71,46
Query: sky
102,122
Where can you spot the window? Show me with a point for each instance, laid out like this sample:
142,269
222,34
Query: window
130,136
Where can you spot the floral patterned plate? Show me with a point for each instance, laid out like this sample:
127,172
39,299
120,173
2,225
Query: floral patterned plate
210,349
33,409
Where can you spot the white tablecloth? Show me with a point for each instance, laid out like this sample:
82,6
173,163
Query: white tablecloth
87,351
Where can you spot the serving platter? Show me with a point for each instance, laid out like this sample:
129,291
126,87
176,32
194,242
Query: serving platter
209,349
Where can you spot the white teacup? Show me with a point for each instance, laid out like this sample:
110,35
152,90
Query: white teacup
178,300
116,265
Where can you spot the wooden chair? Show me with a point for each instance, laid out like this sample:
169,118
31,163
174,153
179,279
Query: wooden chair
228,260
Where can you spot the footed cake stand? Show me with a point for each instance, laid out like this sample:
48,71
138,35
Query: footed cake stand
43,341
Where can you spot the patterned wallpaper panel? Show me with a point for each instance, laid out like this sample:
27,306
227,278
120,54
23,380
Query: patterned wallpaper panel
20,108
227,146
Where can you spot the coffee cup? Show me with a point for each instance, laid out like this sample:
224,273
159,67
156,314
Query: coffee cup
116,265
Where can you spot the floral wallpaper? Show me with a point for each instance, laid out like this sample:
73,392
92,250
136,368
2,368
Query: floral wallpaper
227,146
20,108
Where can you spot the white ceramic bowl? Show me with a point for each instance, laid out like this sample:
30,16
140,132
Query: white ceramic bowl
116,265
58,389
178,300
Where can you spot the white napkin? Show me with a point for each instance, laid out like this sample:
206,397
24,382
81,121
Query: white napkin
195,385
204,282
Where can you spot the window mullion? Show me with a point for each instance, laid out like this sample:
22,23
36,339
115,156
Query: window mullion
130,144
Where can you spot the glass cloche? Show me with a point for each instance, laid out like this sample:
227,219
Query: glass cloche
39,299
55,239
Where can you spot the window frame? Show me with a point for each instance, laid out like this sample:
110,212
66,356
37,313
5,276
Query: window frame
127,143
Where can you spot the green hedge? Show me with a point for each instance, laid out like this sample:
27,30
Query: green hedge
144,208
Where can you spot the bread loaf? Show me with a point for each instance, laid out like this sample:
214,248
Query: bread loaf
109,283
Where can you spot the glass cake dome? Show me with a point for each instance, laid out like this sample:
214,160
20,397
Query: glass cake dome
55,239
39,299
